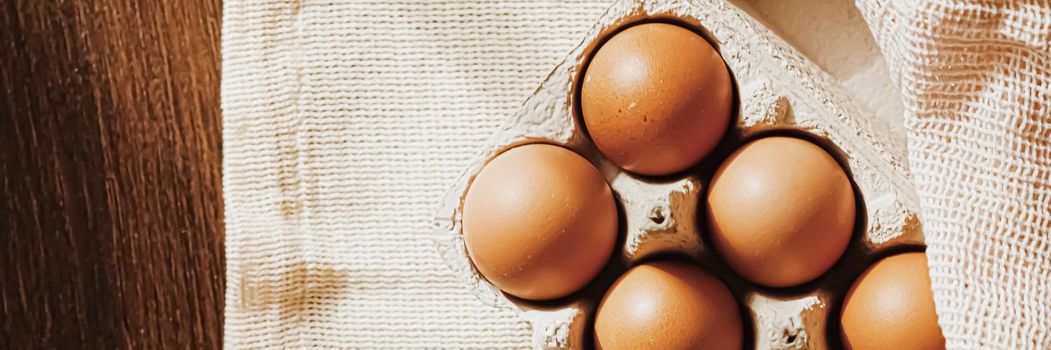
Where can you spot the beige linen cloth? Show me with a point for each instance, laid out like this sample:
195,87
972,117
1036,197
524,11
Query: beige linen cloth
344,121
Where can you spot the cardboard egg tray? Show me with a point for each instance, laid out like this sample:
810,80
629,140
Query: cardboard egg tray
777,92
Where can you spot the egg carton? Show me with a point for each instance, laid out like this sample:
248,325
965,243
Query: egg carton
777,90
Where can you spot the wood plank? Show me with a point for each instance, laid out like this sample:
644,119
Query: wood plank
110,174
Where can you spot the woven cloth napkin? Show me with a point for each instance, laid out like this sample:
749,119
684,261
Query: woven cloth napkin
975,79
344,121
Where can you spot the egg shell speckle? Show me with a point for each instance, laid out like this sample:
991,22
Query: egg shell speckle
776,89
656,98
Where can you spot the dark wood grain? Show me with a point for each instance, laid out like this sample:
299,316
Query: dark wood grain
110,179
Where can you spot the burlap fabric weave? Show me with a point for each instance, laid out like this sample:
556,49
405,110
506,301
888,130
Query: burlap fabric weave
344,121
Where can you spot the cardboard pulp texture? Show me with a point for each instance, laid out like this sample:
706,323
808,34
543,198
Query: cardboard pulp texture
777,92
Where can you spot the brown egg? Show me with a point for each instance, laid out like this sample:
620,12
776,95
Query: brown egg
656,98
780,211
539,221
668,305
891,306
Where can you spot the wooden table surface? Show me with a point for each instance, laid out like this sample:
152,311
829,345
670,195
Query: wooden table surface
110,174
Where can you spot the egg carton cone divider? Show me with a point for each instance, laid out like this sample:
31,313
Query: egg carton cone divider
777,90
